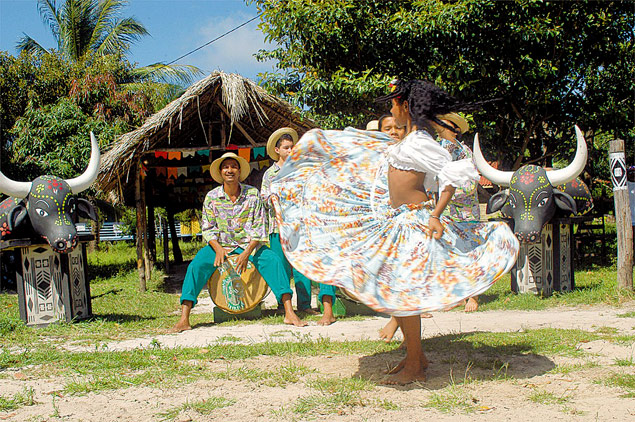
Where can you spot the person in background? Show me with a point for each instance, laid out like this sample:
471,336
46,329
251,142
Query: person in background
388,125
279,147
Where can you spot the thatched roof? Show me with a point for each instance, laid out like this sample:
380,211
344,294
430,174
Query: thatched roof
217,111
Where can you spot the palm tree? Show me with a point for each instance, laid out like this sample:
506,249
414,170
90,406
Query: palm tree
95,26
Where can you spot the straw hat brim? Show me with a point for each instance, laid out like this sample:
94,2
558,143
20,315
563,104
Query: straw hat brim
273,139
214,169
457,120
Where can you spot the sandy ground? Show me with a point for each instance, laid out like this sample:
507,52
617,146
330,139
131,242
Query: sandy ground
575,396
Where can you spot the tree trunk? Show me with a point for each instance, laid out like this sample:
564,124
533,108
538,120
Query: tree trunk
623,222
139,238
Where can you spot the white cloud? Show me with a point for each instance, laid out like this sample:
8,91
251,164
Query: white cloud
234,52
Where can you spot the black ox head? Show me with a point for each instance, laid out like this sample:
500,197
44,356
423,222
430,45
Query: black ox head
531,197
49,204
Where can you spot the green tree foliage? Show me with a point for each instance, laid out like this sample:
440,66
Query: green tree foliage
552,64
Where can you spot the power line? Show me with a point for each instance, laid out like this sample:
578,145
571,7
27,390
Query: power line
210,42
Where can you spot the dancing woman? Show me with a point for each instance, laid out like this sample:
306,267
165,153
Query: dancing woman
356,214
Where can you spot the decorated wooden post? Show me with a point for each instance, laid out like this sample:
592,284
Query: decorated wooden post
141,228
622,215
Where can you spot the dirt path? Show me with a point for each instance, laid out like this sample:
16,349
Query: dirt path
529,389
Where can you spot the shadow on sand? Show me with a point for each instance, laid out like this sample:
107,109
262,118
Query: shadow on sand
455,359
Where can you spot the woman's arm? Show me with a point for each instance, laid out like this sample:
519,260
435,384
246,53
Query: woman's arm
436,228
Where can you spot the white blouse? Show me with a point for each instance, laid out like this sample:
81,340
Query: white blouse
420,152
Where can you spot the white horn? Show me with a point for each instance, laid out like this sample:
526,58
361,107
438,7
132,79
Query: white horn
83,182
497,177
13,188
567,174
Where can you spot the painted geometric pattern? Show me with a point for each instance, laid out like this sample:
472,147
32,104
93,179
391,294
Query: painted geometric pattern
534,267
43,278
565,258
78,283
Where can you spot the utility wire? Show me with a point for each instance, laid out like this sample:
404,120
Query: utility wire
210,42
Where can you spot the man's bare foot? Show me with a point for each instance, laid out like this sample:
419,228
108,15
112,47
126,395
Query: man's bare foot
294,320
179,327
471,305
461,303
389,330
326,320
309,311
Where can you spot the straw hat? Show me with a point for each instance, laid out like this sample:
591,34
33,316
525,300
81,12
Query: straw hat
273,139
372,125
459,121
214,169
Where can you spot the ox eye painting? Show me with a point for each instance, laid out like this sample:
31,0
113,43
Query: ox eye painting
535,194
48,207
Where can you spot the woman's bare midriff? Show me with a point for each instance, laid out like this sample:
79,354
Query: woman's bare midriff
406,187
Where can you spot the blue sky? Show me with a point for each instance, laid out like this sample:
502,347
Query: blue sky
176,27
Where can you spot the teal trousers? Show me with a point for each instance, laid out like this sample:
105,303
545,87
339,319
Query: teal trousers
302,284
267,262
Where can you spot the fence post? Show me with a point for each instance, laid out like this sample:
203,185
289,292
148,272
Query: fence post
622,215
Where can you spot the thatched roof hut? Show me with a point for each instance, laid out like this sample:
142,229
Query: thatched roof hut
221,112
165,162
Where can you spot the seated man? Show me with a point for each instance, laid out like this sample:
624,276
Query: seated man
234,223
279,147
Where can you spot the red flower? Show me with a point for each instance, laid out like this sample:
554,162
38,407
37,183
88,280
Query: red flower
4,229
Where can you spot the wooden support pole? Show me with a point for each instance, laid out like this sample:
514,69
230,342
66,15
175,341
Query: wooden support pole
152,236
141,214
147,265
176,249
238,125
623,223
166,245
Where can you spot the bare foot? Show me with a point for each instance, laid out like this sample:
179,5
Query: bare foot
294,320
389,330
423,359
461,303
179,327
309,311
406,376
426,315
471,305
326,320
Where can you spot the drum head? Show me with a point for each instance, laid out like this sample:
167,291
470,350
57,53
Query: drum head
236,293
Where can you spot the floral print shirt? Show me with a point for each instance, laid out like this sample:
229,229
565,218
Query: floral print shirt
265,196
234,224
464,203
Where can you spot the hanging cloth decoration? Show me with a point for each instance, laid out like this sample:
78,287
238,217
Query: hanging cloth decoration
174,155
161,154
204,152
254,165
232,147
161,171
259,152
206,168
263,163
181,171
188,154
244,153
173,173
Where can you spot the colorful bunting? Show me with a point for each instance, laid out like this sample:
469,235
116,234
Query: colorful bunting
188,154
161,171
263,163
259,152
173,172
244,153
204,152
174,155
232,147
254,165
206,168
161,154
181,171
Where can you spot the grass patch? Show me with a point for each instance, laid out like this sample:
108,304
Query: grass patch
624,381
334,395
567,369
547,398
626,315
452,399
203,408
280,377
17,400
596,286
625,362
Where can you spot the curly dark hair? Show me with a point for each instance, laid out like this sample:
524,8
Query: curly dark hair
427,101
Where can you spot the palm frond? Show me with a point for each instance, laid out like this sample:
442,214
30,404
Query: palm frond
77,26
106,14
28,44
119,36
50,15
178,74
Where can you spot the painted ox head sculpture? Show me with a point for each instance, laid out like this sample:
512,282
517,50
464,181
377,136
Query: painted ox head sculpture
532,196
47,207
